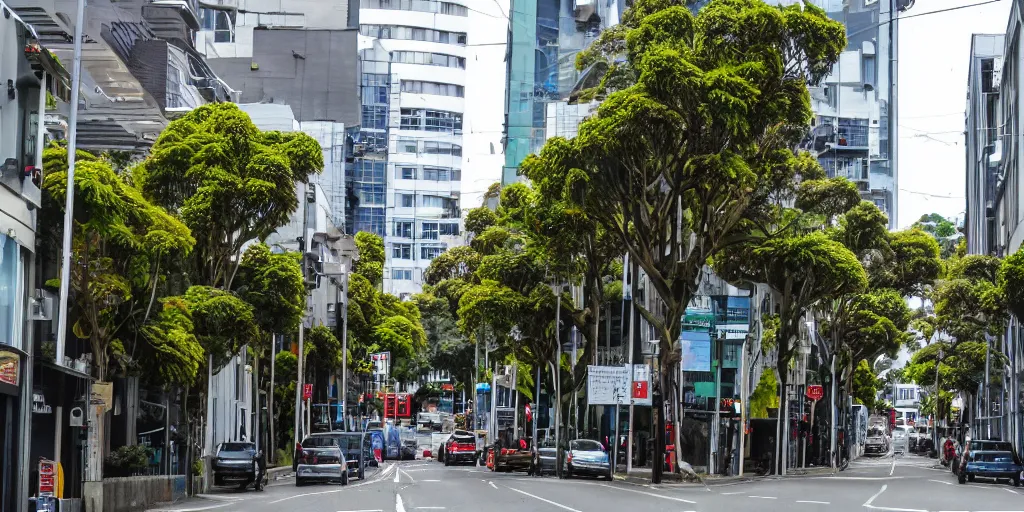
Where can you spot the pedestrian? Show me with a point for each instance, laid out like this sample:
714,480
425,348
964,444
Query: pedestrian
948,451
261,467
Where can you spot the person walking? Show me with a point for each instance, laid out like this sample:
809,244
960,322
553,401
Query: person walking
261,470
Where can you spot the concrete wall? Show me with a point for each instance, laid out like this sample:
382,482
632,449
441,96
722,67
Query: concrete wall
141,492
314,71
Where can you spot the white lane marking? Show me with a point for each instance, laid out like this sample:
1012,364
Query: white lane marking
427,480
416,465
651,494
378,478
868,503
731,493
398,475
429,508
814,502
764,497
492,485
941,482
869,478
367,510
1010,490
559,505
399,507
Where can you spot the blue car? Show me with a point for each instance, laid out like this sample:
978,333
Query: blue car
997,465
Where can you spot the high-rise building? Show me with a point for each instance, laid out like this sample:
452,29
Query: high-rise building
984,149
414,79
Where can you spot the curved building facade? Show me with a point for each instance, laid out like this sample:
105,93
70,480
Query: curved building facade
425,43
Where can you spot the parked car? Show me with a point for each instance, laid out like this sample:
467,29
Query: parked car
235,464
547,454
997,465
409,444
460,448
877,442
322,460
979,445
358,450
587,457
901,439
515,458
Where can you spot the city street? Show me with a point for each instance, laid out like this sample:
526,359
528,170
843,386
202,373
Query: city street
915,485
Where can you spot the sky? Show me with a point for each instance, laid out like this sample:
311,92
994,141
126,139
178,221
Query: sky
934,53
485,99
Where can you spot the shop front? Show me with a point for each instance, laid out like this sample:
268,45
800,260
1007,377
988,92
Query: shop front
11,364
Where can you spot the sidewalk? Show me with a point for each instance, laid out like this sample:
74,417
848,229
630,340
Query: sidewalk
202,502
642,476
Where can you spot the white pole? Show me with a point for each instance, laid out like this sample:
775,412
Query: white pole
743,404
344,347
835,419
558,380
629,340
69,199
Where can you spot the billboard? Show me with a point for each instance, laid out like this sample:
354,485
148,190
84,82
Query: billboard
696,347
608,385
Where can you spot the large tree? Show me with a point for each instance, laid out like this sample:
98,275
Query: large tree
694,134
228,181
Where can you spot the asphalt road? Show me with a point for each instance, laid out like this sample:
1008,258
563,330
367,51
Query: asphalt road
912,484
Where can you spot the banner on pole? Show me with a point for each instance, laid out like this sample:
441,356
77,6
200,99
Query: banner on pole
641,385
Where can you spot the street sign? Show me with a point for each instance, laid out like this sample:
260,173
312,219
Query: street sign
381,363
47,477
815,392
608,385
641,385
307,391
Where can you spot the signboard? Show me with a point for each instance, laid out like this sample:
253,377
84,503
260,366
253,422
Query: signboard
307,391
815,392
47,477
529,412
608,385
505,418
381,363
696,347
641,386
103,394
9,365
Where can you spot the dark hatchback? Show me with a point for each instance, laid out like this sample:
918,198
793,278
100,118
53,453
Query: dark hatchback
235,464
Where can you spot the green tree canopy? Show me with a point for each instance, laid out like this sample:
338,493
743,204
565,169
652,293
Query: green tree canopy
229,182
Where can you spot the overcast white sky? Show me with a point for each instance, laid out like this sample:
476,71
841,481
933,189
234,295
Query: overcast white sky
934,56
485,98
933,60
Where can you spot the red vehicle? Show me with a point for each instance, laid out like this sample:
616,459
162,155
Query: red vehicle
460,447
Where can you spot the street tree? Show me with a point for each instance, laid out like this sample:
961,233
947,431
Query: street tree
865,385
694,133
228,181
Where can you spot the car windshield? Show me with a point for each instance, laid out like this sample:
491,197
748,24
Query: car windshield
236,450
586,445
319,442
350,442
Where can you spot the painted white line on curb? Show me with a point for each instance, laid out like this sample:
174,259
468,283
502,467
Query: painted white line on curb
651,494
559,505
814,502
399,507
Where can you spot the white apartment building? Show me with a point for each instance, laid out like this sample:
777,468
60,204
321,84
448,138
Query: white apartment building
426,44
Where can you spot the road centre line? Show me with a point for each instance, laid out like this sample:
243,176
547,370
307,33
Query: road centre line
379,478
399,506
731,493
764,497
814,502
559,505
651,494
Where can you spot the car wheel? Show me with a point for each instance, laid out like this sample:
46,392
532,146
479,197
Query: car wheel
1016,481
299,482
608,477
970,478
447,461
344,478
962,478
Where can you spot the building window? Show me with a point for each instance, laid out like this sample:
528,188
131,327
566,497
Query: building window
433,202
413,34
375,117
440,148
449,229
428,59
407,146
369,171
408,173
441,121
436,174
434,6
370,193
403,229
370,219
408,200
429,253
412,118
401,274
434,88
10,297
401,251
429,231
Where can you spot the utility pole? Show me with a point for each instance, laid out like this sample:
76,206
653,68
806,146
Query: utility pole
344,347
628,296
303,247
558,380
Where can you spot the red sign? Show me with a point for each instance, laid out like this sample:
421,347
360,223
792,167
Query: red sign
640,390
529,413
47,477
815,392
9,362
307,391
447,387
